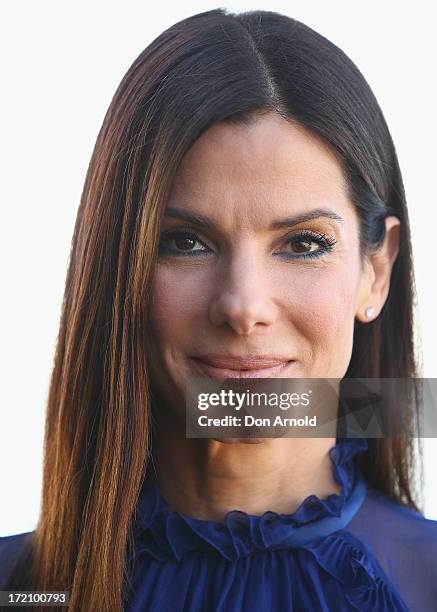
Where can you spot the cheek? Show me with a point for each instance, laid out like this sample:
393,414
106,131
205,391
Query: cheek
325,307
174,303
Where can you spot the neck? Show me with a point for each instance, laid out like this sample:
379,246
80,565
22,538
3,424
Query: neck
205,478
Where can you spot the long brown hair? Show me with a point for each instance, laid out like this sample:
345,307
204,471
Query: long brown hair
214,66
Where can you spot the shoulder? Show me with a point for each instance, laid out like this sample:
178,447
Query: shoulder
405,544
11,547
397,528
409,526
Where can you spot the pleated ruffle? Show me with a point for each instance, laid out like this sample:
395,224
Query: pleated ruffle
166,534
326,571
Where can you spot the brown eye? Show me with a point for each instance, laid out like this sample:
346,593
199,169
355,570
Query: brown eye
307,244
181,243
304,246
185,244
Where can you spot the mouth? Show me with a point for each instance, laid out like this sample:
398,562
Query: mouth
240,367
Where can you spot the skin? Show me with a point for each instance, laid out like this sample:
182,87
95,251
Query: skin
245,295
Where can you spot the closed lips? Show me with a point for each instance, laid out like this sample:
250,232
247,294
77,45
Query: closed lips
242,363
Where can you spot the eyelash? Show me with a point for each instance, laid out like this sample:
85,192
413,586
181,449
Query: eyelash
326,243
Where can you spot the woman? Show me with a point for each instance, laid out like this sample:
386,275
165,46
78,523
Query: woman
243,214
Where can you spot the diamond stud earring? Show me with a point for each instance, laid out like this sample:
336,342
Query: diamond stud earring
369,312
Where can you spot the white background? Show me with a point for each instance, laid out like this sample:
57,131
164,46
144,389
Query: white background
61,65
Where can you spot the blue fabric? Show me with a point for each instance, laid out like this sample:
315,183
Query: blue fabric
346,552
11,547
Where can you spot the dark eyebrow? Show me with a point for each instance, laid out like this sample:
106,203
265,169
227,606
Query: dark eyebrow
307,216
206,222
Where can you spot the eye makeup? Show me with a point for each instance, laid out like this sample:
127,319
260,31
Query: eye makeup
185,241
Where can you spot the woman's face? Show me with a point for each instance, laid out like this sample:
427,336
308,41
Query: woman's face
242,273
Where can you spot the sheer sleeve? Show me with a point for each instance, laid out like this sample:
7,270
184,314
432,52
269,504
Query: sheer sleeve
405,544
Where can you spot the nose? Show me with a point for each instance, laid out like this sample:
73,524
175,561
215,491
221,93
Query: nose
243,299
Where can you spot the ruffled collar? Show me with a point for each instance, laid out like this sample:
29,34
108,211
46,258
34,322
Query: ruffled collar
163,534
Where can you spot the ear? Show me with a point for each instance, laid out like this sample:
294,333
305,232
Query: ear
375,283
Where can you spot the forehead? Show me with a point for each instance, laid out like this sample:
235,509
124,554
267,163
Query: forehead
249,172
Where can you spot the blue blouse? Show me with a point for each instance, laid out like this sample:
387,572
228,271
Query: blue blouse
356,550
